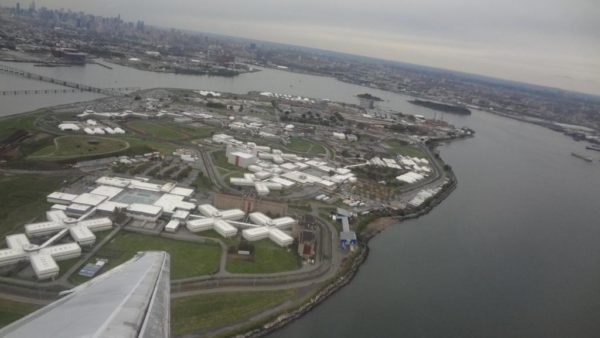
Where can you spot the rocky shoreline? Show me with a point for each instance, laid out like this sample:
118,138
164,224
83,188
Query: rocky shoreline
348,273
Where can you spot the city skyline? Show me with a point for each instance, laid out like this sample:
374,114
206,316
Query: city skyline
553,44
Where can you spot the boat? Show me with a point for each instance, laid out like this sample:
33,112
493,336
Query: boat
595,148
453,109
583,157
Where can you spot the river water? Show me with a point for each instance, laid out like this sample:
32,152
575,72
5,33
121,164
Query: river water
513,252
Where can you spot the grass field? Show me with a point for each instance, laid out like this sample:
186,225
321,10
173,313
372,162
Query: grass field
400,148
214,234
203,312
169,131
202,182
221,161
11,311
77,146
11,124
23,198
305,146
188,259
140,146
268,257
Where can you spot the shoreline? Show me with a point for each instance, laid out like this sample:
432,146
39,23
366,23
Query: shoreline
279,321
348,269
522,118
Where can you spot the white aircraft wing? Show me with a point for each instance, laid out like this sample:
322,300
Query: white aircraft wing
131,300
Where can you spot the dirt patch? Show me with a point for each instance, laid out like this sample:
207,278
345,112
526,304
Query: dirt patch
378,226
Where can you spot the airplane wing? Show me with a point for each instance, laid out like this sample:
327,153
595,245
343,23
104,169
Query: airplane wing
131,300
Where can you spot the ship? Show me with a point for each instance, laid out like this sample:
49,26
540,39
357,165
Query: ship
447,108
595,148
583,157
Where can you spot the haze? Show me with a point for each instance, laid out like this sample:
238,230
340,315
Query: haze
549,42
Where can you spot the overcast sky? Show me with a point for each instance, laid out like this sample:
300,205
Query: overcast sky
548,42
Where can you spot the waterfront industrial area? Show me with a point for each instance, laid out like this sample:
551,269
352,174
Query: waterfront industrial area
264,200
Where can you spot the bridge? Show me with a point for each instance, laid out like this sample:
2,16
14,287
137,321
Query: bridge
71,86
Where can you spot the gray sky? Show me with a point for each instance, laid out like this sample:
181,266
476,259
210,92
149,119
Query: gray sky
548,42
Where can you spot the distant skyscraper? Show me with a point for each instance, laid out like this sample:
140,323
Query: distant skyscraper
18,8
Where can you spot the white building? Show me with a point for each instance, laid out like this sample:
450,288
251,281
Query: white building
145,212
80,231
265,227
42,259
215,219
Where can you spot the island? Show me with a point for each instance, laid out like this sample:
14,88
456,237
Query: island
220,183
368,96
460,110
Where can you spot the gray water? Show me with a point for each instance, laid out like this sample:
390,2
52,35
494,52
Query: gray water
513,252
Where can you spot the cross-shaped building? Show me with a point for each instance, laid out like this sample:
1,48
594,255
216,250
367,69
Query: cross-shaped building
265,227
215,219
226,223
42,257
81,230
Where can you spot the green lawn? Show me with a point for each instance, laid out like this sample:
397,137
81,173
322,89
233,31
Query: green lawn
203,312
23,197
77,146
400,148
141,146
302,145
11,124
193,132
221,161
169,131
202,182
214,234
11,311
268,257
188,259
